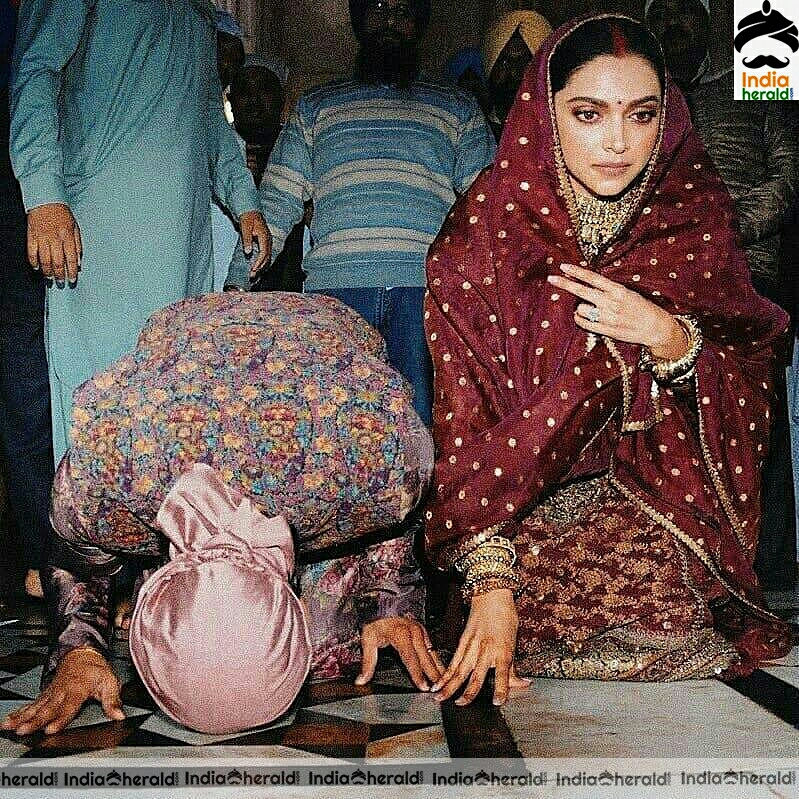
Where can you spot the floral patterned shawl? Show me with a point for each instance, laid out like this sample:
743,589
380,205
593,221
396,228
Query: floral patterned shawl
524,403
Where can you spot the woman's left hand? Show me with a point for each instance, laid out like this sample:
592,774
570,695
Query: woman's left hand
488,642
611,309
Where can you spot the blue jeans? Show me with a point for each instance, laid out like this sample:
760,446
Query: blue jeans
398,315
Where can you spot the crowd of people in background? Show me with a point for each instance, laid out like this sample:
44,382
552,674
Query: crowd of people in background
344,194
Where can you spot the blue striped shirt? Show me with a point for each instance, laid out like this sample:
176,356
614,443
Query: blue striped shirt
382,167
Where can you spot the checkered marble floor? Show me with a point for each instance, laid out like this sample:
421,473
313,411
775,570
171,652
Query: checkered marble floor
758,716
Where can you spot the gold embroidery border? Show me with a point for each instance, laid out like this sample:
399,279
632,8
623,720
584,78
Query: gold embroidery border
676,531
626,371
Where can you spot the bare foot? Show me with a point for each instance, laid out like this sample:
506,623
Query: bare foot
33,584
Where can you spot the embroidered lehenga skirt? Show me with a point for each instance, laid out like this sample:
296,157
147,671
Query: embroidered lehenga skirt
609,594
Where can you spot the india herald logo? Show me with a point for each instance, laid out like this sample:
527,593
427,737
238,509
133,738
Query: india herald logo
767,22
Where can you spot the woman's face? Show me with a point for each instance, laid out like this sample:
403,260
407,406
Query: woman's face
608,116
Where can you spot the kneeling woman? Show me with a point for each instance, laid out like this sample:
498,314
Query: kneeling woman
603,379
234,408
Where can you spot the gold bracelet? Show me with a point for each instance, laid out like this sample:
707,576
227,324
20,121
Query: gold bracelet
487,584
488,570
470,544
495,545
477,577
479,556
483,560
680,369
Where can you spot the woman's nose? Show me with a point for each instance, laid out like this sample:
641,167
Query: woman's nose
615,139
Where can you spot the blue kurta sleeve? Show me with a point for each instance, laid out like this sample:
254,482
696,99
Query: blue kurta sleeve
476,148
48,34
287,181
231,181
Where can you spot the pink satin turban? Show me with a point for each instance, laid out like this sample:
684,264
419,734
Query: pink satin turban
218,637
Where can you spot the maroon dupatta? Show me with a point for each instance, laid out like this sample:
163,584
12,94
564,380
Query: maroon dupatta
524,402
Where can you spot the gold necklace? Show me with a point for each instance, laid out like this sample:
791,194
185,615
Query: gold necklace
600,221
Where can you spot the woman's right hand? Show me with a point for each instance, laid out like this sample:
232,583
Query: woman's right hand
488,642
82,674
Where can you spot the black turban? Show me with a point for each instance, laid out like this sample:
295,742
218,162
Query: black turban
420,8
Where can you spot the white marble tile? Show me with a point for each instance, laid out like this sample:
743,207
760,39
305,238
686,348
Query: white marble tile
251,755
15,643
395,677
789,674
385,709
429,743
162,725
9,645
120,648
26,684
791,659
90,715
124,669
11,749
780,600
696,718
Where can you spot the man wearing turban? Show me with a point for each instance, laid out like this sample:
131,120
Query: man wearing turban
509,45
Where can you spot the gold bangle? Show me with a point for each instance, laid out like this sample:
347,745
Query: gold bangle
486,560
680,369
495,545
485,554
470,544
488,569
511,582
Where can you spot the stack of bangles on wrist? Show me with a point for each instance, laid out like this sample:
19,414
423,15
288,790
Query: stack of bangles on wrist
487,566
681,369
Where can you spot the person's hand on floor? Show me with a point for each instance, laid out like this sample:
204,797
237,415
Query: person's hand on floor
488,642
83,674
412,643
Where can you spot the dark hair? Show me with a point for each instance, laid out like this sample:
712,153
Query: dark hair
274,87
615,36
358,9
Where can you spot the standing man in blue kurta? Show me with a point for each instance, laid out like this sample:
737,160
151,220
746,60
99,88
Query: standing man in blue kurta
382,157
117,138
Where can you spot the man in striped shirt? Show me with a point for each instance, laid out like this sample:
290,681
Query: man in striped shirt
382,157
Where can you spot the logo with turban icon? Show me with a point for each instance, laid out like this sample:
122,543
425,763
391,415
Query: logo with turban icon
770,23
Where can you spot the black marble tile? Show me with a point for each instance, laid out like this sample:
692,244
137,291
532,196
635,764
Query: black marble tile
478,729
85,739
22,661
326,735
771,693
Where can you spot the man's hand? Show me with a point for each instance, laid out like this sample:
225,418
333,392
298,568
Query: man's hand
253,228
54,244
412,643
83,674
